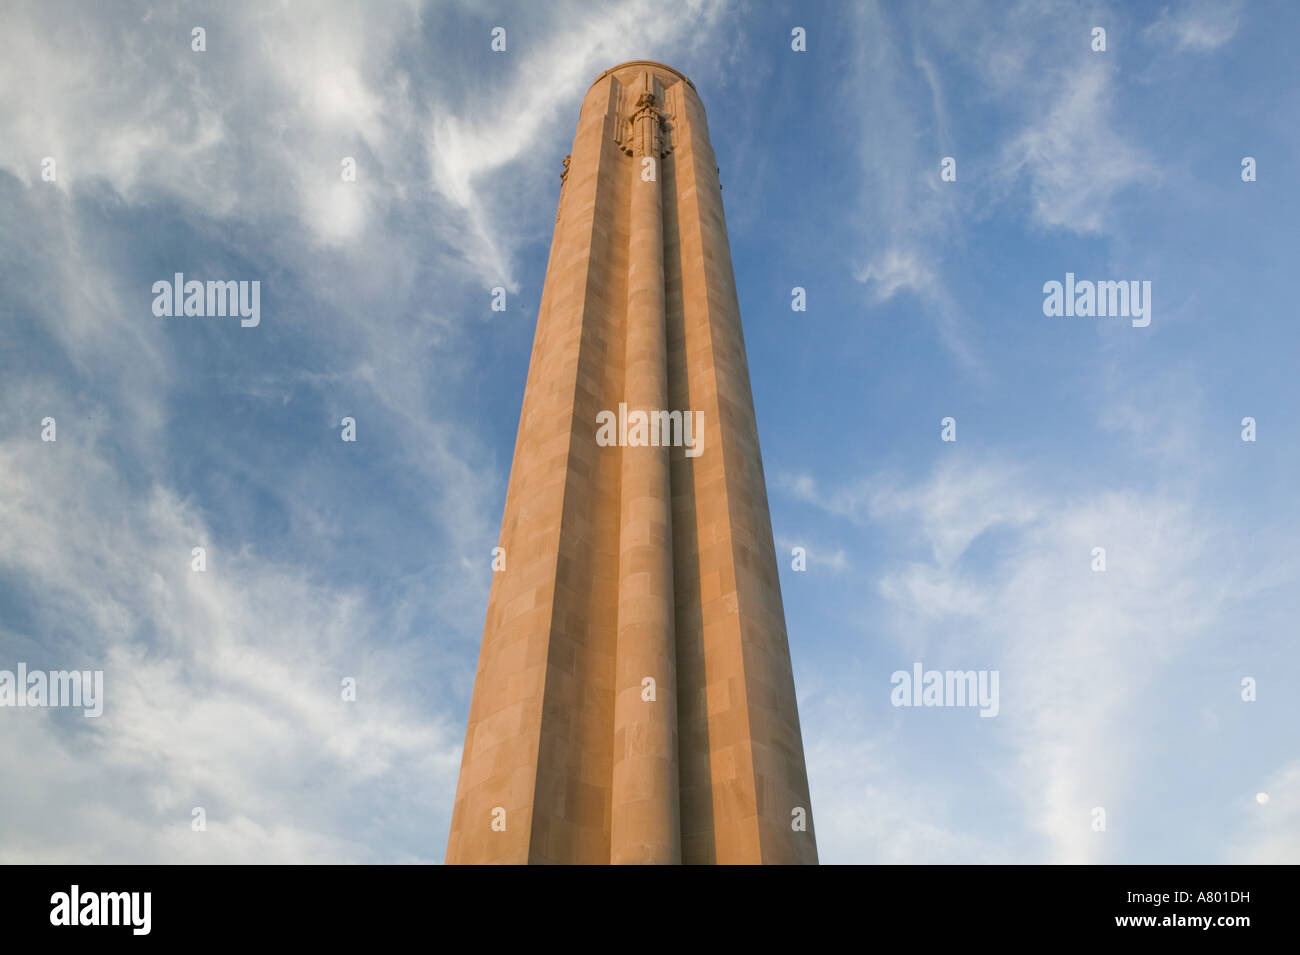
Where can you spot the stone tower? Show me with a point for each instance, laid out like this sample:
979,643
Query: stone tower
634,701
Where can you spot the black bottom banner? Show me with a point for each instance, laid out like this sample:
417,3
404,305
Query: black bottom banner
131,904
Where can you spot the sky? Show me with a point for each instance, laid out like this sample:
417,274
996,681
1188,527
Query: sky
1160,690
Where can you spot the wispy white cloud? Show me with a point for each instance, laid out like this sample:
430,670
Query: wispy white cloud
1081,653
1074,158
280,111
871,806
1197,27
896,270
908,217
222,688
1059,137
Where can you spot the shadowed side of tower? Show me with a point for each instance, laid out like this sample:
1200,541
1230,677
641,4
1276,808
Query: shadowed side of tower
634,700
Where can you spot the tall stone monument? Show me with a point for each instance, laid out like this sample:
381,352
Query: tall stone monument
634,701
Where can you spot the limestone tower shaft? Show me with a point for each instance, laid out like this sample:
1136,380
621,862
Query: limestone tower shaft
634,700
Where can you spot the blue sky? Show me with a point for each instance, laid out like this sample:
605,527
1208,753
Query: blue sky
371,560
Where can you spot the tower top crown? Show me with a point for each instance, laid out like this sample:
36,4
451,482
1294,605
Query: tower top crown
653,64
